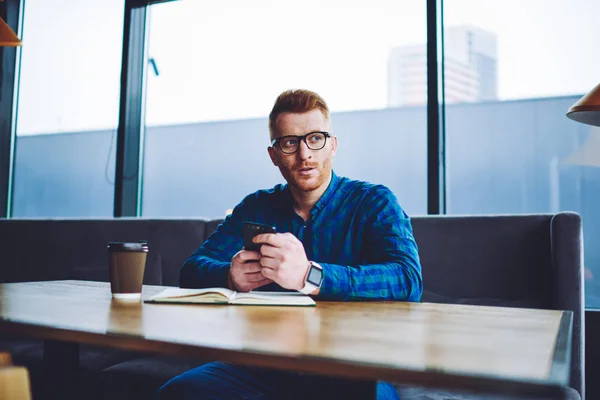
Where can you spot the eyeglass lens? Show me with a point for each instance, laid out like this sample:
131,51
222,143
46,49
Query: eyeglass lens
314,141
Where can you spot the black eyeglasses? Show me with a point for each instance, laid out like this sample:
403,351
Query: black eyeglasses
291,144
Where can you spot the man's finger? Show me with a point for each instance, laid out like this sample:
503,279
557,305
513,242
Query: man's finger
268,273
272,239
258,284
254,277
268,251
268,262
249,255
250,267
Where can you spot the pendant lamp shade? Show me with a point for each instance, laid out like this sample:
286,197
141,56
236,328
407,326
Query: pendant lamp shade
7,36
587,109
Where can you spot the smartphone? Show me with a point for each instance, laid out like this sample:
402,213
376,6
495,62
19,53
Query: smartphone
252,229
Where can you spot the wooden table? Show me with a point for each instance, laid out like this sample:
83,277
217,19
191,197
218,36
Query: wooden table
487,349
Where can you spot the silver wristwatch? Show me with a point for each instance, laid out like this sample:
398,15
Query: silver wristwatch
314,278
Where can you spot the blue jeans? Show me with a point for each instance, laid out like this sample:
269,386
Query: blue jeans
225,381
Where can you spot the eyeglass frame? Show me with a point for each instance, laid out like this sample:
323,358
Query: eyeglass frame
301,138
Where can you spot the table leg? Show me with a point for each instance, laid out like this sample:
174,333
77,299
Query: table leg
61,362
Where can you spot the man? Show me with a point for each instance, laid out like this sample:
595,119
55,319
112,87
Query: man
351,237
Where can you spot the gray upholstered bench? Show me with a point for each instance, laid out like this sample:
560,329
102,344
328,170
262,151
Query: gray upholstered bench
518,261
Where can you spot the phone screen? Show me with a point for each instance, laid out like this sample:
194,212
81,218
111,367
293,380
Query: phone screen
252,229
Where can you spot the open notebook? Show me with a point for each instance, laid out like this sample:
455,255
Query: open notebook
226,296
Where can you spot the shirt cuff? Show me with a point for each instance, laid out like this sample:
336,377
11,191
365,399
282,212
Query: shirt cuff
336,282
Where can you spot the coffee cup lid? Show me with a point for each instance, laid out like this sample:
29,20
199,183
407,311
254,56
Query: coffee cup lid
142,245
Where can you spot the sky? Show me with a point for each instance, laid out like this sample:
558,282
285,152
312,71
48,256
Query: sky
230,59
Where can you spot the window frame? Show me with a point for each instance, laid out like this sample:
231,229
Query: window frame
11,12
130,132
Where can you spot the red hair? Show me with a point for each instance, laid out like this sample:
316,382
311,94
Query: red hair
296,101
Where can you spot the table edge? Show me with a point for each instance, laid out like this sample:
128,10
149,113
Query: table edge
428,378
561,358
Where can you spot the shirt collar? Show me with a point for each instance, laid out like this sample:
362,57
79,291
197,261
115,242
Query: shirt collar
327,195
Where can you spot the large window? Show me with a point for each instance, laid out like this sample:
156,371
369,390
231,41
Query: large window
512,69
217,67
68,108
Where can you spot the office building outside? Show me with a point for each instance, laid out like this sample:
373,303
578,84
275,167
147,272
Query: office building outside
470,69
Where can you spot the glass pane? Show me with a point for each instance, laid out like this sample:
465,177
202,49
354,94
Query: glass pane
512,71
221,66
68,108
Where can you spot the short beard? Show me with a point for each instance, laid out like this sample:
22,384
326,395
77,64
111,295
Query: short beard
324,174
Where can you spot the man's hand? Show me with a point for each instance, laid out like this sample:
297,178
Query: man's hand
245,272
283,259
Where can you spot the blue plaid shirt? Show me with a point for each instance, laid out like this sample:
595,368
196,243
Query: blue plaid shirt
357,232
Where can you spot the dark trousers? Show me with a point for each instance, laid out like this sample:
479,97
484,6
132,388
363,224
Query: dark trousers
225,381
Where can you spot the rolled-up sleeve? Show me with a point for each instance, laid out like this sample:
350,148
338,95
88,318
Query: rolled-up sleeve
393,270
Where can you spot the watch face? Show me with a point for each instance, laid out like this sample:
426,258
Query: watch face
315,276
